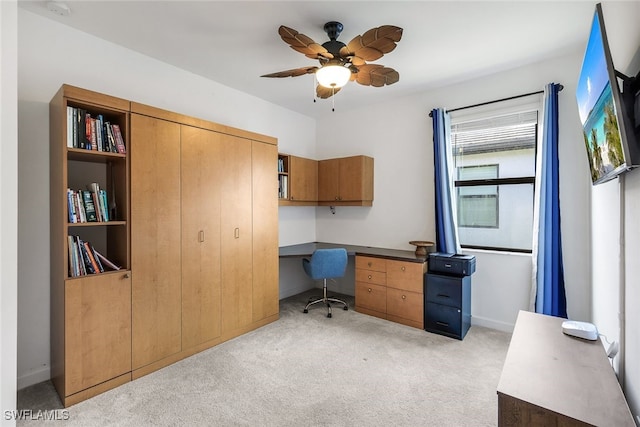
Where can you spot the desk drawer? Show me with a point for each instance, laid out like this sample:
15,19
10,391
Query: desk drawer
405,275
408,305
373,297
369,276
371,263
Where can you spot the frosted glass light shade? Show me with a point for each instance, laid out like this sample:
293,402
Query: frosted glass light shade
333,76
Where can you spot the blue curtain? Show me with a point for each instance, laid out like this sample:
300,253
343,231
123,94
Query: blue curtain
446,227
548,277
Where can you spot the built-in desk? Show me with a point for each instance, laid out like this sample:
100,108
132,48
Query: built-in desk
306,249
552,379
389,283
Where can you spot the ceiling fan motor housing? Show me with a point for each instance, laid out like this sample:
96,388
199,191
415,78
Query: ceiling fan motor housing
333,29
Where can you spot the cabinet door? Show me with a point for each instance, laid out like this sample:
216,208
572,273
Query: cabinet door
155,239
356,178
97,329
201,199
265,232
303,179
328,180
236,233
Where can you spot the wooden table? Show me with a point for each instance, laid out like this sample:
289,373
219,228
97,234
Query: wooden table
550,378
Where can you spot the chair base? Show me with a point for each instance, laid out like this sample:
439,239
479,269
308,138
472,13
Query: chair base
325,300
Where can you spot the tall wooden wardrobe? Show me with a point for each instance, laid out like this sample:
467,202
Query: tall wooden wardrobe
204,246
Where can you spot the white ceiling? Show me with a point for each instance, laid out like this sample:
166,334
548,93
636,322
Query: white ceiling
234,42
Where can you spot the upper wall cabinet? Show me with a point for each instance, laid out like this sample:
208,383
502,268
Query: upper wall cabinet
346,181
298,181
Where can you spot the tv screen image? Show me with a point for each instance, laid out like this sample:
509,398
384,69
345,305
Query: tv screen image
600,108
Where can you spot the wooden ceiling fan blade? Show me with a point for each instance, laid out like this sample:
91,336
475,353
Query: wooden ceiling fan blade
376,75
324,92
293,73
369,54
303,44
374,43
390,32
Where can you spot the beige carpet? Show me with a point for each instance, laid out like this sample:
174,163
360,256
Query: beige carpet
306,369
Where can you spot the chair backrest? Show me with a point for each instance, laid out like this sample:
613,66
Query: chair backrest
326,263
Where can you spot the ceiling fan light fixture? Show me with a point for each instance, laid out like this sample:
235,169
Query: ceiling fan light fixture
333,76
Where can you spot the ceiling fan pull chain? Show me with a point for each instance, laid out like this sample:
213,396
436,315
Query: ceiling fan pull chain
333,98
315,83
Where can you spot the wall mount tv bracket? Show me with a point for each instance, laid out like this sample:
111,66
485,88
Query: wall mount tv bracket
631,97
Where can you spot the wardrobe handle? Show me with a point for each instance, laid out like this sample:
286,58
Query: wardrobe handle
369,289
201,236
126,276
404,297
236,233
403,268
369,277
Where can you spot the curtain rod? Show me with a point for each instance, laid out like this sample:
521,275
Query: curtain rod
560,87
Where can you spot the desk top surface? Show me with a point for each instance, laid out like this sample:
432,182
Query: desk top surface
567,375
306,249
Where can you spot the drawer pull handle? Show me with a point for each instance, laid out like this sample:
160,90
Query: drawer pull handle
447,265
126,276
369,289
446,325
369,277
369,263
443,296
404,297
403,268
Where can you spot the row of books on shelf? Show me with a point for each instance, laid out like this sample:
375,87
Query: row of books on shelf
84,259
91,205
281,165
93,133
283,185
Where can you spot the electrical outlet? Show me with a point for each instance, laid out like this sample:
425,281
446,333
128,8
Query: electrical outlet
612,350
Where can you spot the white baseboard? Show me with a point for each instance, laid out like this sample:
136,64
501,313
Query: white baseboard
34,377
492,324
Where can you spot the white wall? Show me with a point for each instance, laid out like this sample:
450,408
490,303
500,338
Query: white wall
615,300
8,207
398,135
45,62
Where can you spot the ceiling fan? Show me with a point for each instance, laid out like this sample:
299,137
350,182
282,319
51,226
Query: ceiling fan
340,63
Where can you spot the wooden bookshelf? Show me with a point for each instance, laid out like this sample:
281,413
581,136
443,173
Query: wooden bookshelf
90,313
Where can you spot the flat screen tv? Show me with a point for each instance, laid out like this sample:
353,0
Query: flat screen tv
607,129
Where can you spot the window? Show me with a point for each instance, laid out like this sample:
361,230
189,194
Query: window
478,205
494,158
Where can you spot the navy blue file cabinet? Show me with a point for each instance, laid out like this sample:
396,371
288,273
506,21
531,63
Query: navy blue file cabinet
447,296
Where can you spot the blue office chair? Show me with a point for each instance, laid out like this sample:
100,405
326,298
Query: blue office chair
325,264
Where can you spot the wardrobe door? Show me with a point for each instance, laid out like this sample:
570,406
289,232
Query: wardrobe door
236,233
201,195
265,231
155,239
